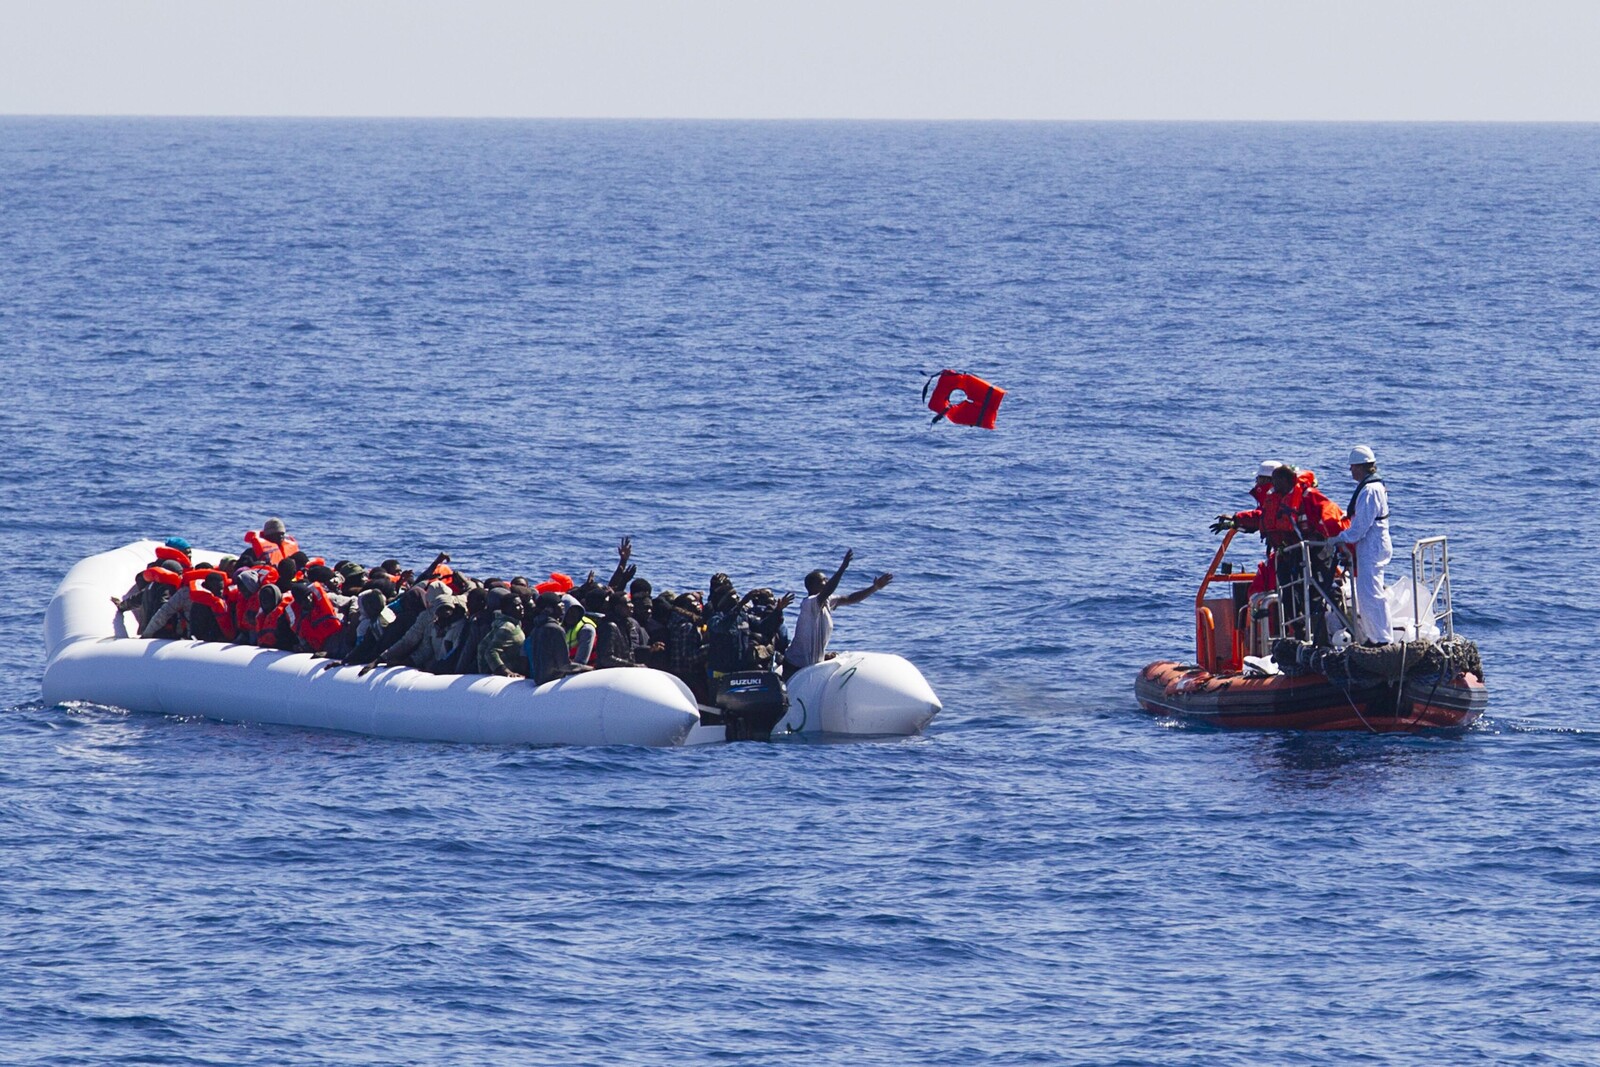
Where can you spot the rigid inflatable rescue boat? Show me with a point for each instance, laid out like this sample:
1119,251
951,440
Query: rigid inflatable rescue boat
91,658
1254,673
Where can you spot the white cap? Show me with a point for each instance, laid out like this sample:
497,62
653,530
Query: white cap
1361,455
1267,467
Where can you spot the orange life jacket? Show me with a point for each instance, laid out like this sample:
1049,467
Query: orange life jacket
246,606
163,576
202,597
177,555
558,583
980,402
269,551
1314,517
1273,519
267,625
317,626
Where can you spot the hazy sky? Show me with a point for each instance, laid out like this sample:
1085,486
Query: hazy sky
1007,59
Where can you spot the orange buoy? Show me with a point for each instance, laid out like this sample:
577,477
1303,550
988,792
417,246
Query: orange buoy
979,401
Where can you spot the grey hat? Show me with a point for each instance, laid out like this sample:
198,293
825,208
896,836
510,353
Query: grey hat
273,526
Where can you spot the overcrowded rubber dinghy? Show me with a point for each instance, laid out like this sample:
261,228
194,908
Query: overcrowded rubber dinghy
1254,673
91,658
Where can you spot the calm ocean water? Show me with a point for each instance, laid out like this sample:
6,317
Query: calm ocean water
520,341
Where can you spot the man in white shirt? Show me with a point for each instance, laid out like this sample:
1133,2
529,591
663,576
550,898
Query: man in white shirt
814,628
1368,536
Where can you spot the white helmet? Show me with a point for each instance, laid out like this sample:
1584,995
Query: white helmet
1267,467
1361,455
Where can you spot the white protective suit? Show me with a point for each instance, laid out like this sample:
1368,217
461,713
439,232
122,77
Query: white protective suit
1369,533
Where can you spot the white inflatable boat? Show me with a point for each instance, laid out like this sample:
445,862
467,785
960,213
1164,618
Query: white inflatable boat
92,657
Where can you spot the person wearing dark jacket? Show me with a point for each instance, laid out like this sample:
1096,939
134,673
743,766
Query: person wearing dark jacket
373,621
546,643
735,636
616,636
480,620
686,646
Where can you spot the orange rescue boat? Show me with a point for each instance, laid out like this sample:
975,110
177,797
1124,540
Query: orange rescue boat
1253,673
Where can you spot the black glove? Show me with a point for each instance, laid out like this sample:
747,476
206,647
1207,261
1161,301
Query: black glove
1224,522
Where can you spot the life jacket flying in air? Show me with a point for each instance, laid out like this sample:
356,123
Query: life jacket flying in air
979,403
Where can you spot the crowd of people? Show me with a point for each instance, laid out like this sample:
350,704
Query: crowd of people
276,595
1291,510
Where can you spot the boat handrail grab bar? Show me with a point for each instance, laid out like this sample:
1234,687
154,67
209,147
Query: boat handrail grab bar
1430,574
1349,618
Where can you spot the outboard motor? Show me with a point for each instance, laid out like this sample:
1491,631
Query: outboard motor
752,703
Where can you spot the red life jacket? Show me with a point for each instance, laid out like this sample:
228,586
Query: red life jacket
317,626
163,576
1275,521
177,555
980,402
204,599
1313,516
246,606
267,625
270,552
558,583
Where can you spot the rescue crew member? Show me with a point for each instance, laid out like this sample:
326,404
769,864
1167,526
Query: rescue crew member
1368,538
1309,516
1263,517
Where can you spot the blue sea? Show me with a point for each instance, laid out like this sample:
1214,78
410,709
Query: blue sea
520,341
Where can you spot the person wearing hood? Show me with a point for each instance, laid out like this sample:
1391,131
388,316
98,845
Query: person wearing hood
546,642
1367,538
581,631
444,637
271,627
416,647
246,598
373,618
479,621
500,651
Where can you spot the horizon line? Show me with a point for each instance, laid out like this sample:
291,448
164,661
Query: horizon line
374,117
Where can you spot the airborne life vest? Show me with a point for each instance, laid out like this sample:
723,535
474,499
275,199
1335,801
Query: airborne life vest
980,401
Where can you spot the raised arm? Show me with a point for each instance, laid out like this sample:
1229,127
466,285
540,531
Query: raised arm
861,594
623,574
832,585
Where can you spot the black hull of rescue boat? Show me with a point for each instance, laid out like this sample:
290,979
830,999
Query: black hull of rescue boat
1310,701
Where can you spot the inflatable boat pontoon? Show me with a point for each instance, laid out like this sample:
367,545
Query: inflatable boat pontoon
92,657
